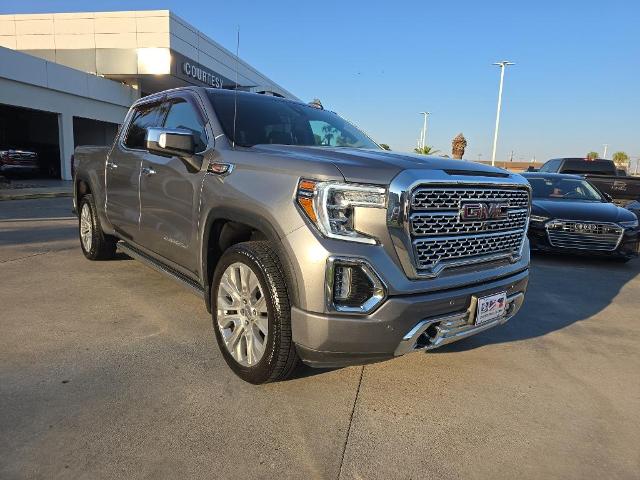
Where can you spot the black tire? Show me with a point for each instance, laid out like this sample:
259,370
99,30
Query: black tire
280,357
101,245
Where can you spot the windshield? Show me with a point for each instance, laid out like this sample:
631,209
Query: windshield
564,188
263,119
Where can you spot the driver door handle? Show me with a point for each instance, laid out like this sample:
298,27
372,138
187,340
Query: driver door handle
148,171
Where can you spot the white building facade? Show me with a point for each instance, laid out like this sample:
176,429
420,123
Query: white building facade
69,77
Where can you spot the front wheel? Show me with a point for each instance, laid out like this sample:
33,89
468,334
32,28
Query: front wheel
252,314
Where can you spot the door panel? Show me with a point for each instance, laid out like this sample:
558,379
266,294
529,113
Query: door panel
123,201
169,192
123,170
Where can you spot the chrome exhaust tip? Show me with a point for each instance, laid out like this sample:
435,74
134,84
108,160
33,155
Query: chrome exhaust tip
434,332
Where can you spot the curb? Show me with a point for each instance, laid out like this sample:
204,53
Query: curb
33,195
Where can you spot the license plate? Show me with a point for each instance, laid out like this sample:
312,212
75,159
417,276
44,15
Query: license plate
491,307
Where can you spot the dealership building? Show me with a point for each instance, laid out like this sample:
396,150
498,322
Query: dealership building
67,79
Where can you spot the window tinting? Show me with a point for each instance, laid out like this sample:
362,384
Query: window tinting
144,116
183,115
597,167
262,119
550,166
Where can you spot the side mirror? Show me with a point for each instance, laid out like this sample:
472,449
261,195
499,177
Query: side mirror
170,142
173,142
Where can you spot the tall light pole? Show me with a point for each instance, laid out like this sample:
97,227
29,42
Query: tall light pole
604,153
423,132
502,66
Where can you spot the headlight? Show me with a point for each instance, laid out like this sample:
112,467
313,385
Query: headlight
629,224
331,207
538,219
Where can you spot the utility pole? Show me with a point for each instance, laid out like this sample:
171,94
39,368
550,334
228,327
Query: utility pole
423,132
604,154
503,64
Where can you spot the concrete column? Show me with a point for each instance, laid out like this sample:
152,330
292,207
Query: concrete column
65,130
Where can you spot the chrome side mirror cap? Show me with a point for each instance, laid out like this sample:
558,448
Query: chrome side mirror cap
170,142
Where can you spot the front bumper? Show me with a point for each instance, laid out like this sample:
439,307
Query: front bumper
400,325
628,247
18,169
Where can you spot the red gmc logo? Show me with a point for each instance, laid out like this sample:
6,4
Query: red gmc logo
484,211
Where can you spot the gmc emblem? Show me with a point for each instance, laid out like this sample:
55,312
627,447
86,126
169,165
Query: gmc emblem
484,211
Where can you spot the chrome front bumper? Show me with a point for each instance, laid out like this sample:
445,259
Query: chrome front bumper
437,331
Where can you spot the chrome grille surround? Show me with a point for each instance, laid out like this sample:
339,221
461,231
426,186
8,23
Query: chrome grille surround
428,234
602,236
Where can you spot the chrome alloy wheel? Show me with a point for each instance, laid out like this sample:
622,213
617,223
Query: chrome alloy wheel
242,314
86,228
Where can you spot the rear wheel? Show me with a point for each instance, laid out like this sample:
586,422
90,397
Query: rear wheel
95,244
252,314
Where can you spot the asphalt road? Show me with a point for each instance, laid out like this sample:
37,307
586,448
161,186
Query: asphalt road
110,370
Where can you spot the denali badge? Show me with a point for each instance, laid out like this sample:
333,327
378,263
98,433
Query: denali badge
484,211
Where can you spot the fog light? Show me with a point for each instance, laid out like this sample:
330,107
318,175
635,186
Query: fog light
353,286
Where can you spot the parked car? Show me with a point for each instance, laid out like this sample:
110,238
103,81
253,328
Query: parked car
570,215
602,173
305,238
21,162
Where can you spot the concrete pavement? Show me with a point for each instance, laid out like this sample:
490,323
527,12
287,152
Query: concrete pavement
109,370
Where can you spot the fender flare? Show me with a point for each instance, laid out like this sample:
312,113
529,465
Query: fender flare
224,214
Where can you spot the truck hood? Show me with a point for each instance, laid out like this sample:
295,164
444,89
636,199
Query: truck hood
576,210
375,166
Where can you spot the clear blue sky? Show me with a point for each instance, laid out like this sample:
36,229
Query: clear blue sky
575,85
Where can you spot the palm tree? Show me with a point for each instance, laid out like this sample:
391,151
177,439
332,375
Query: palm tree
621,159
592,155
426,150
458,145
329,132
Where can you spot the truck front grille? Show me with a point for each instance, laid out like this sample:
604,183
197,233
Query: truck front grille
584,235
449,223
448,198
442,237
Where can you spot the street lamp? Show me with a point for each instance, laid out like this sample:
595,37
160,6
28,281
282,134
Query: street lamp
423,132
502,66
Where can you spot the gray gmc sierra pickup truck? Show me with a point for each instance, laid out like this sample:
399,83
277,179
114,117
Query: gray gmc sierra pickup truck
307,241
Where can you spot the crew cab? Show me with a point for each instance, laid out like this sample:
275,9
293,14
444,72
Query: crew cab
307,241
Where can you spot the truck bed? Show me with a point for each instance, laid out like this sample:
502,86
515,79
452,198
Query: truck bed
623,190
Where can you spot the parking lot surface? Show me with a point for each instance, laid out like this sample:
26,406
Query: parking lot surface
110,370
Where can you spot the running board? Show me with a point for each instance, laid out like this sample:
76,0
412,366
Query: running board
160,267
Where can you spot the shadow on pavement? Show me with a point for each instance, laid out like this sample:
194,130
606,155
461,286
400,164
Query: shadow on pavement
562,290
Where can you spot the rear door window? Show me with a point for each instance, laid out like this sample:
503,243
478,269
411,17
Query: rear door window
144,116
